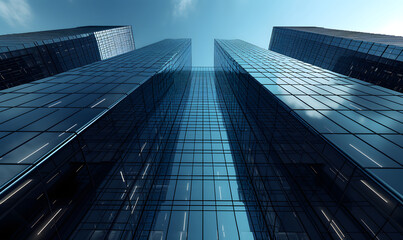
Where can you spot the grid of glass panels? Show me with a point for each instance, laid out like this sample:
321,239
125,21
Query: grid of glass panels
31,56
180,178
60,136
336,140
113,42
374,58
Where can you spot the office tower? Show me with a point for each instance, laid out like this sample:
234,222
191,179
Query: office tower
189,185
373,58
143,146
323,150
63,136
32,56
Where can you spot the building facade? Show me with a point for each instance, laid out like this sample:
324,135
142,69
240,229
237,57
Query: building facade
323,149
145,146
373,58
63,136
32,56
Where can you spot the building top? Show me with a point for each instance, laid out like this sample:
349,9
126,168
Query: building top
26,57
26,38
359,36
111,40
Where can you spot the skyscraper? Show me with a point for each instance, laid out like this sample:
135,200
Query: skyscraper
63,136
26,57
145,146
373,58
324,150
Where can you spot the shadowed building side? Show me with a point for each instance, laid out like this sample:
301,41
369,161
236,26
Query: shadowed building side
61,137
32,56
373,58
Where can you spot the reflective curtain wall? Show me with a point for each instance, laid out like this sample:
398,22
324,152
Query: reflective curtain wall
27,57
145,146
309,185
373,58
180,179
63,137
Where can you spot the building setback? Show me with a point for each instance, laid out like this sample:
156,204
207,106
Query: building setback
26,57
373,58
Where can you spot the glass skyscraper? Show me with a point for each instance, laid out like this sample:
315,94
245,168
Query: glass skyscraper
63,139
145,146
324,150
26,57
373,58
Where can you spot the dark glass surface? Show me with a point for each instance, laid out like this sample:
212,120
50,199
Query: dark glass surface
62,135
323,137
373,58
180,179
141,146
31,56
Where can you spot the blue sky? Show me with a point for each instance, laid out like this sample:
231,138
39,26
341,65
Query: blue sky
202,20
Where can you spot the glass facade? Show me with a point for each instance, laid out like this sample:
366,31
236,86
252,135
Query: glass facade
374,58
145,146
324,149
62,136
32,56
181,178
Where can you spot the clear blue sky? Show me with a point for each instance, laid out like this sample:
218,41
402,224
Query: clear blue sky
202,20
